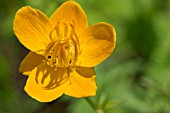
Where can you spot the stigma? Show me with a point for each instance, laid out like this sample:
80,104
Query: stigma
63,49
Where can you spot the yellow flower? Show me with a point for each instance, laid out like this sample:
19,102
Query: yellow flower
64,51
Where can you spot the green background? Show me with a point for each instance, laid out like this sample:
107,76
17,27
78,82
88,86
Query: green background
135,79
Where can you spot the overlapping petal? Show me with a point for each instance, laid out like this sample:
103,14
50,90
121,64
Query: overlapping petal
96,44
46,84
32,28
31,61
72,13
82,82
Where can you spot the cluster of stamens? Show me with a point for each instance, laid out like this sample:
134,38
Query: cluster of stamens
62,51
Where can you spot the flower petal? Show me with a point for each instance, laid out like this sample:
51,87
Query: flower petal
82,82
96,44
31,61
72,13
32,28
46,84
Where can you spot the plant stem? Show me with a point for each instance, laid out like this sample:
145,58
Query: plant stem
92,104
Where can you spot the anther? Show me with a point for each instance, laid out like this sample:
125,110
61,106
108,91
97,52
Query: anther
63,51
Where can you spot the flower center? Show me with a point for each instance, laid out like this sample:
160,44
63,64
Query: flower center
63,50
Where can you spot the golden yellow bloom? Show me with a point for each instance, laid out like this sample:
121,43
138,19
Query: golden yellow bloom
64,51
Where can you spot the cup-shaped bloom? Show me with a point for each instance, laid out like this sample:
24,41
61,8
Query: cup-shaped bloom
63,51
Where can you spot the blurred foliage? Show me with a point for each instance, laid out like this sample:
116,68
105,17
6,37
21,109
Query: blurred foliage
135,79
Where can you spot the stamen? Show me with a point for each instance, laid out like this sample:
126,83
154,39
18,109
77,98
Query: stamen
63,50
